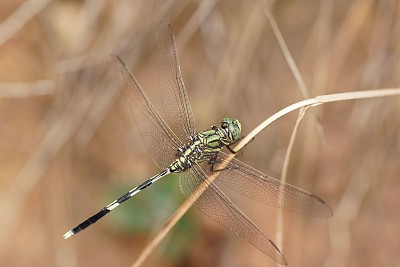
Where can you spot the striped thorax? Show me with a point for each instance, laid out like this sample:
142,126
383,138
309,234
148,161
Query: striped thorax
205,145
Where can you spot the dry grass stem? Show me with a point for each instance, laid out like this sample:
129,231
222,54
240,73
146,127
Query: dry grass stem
279,218
350,27
42,87
285,50
17,20
291,63
195,21
318,100
35,167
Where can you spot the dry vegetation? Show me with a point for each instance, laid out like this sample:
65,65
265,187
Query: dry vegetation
68,144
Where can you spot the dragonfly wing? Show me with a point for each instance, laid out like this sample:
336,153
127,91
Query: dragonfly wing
158,138
258,186
216,205
174,99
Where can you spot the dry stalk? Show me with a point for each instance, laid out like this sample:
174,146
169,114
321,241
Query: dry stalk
279,218
318,100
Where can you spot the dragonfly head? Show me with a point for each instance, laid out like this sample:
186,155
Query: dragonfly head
232,129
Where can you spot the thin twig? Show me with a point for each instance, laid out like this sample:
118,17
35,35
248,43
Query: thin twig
41,87
347,32
291,63
318,100
14,200
201,13
279,218
16,21
244,48
285,50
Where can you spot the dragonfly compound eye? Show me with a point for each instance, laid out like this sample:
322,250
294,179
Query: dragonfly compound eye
234,130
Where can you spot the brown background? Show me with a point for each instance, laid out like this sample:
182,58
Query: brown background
68,144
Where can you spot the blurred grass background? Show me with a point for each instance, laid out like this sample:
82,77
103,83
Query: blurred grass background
68,143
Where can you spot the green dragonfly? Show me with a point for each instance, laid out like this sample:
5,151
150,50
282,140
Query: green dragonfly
175,147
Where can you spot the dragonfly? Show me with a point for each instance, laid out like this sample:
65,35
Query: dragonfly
176,147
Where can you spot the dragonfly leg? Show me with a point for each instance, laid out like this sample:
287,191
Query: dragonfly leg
230,149
234,152
214,160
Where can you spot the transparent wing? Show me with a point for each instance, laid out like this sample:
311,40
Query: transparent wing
174,99
258,186
158,138
216,205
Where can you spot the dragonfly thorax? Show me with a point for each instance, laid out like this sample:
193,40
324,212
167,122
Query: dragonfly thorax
205,145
